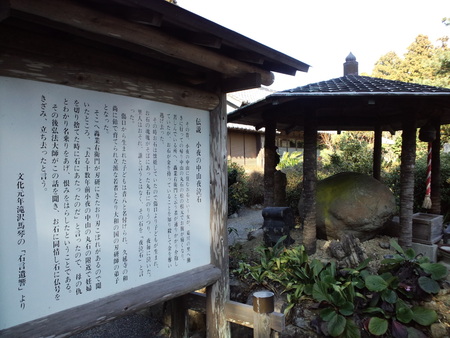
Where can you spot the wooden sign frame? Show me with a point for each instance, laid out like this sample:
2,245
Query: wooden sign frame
100,310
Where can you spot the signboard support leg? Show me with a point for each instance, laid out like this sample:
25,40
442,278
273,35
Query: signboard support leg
218,293
179,318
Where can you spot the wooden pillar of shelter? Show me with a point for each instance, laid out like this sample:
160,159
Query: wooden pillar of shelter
218,293
436,172
270,162
377,146
408,158
309,184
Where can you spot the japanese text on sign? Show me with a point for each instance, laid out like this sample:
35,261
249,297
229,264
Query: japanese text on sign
110,193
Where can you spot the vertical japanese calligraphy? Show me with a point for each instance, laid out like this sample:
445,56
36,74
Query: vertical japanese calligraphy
21,232
111,193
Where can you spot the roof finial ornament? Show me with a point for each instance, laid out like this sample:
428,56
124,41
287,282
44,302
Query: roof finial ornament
350,57
350,65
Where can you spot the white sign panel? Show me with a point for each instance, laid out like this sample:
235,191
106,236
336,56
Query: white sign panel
99,193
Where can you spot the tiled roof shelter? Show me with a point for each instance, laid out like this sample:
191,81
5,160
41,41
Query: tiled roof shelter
352,102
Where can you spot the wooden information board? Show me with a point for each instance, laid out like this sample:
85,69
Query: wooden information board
100,193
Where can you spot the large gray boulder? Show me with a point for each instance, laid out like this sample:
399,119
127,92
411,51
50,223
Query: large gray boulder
352,204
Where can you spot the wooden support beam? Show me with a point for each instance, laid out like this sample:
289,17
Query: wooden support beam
250,57
79,318
242,314
179,318
309,184
270,162
377,147
4,10
436,172
235,312
218,293
91,24
42,68
408,160
144,16
246,82
290,129
206,40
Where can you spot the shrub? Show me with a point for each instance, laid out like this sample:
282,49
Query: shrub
255,188
237,187
292,165
294,188
350,153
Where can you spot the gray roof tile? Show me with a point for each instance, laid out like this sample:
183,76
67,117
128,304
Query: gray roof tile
364,84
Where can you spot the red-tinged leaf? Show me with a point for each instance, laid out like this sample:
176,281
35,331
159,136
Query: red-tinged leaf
399,330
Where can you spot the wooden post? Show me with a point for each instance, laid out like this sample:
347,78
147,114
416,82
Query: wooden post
269,163
309,185
436,172
218,293
179,319
263,306
235,312
377,145
408,159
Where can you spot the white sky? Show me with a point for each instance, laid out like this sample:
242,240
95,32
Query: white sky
322,33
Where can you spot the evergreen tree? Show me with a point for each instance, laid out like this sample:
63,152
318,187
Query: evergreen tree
443,64
423,63
388,67
417,65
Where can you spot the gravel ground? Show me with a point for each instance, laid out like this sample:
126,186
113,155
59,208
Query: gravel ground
241,223
249,219
137,325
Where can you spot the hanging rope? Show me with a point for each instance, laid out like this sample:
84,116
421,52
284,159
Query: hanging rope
427,200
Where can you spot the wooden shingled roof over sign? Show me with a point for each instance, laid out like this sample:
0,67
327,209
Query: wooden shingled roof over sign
164,41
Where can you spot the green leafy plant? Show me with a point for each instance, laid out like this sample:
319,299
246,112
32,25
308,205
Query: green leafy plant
419,278
405,276
386,309
291,160
286,267
350,152
350,296
339,295
270,263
